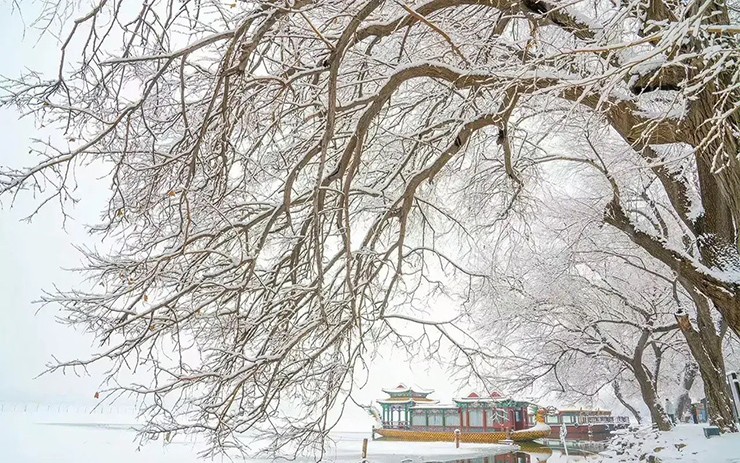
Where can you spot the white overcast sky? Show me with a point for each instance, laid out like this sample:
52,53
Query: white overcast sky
32,255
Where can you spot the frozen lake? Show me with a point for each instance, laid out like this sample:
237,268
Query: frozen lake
66,434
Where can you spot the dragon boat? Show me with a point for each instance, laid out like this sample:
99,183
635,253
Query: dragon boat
409,414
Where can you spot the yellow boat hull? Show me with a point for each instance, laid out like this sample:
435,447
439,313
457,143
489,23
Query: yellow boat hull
470,437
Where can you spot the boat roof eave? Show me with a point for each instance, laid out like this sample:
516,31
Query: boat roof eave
405,400
436,406
402,388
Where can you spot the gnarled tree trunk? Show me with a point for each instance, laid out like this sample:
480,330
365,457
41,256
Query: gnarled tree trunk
649,393
705,344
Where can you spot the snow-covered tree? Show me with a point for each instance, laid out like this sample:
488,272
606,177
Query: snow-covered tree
281,171
565,275
578,326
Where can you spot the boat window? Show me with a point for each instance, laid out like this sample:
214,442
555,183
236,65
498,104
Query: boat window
551,419
569,419
476,418
518,415
435,419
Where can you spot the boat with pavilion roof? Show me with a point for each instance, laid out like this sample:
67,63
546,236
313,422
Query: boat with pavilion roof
408,413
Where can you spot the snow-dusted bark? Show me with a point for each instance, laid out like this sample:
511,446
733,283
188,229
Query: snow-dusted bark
705,342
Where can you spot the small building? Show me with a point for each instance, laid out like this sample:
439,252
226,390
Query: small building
397,408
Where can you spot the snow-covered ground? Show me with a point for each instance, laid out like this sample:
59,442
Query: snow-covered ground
63,435
684,444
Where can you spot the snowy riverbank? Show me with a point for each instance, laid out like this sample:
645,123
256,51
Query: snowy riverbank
684,444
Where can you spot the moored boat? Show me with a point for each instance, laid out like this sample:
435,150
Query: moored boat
409,414
585,423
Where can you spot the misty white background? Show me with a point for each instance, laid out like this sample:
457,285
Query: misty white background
33,257
32,254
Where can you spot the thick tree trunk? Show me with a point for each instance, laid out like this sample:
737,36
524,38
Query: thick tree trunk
718,168
712,370
705,344
719,403
710,126
715,229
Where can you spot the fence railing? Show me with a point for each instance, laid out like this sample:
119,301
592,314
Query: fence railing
396,424
596,419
